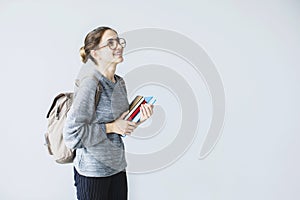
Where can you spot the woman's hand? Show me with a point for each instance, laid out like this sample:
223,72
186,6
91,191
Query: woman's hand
121,126
146,112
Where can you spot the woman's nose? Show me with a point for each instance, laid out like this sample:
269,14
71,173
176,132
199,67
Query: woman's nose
119,46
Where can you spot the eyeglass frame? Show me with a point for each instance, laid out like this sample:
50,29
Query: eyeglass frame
115,39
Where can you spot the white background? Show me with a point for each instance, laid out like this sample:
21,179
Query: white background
255,46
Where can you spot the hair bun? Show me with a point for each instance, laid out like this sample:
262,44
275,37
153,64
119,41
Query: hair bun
83,55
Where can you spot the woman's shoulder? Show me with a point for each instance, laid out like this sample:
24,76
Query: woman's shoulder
88,73
86,78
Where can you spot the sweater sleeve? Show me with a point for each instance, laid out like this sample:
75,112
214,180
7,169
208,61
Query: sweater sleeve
80,129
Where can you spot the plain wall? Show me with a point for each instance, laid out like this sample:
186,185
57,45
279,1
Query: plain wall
255,47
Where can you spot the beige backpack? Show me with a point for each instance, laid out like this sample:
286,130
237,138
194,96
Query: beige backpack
56,119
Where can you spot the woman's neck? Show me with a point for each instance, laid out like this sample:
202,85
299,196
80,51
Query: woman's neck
108,70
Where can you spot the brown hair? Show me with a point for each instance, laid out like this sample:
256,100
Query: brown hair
91,41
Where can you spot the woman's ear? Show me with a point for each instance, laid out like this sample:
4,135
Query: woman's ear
95,55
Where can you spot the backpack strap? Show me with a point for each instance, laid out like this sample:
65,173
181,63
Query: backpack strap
54,103
98,91
98,94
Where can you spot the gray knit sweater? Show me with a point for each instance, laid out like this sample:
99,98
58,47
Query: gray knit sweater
98,154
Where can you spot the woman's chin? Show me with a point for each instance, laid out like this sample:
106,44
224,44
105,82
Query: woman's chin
119,59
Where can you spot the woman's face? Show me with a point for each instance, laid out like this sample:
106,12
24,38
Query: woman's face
105,52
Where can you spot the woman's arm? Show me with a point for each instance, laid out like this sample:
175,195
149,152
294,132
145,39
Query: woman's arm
80,130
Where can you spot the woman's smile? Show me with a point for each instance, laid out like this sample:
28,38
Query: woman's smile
118,53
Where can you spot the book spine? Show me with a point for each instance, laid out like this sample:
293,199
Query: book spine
138,115
135,107
135,102
152,101
136,111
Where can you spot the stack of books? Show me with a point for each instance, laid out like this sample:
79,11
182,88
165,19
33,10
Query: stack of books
134,114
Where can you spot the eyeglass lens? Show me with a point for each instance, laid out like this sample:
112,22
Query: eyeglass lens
113,43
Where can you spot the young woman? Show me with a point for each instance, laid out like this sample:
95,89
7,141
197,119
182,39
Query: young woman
95,130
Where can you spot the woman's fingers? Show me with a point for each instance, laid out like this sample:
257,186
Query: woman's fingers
143,112
130,123
124,126
130,127
147,110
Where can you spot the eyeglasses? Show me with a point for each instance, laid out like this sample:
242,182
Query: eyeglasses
113,43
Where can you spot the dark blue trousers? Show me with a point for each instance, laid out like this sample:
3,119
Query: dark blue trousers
101,188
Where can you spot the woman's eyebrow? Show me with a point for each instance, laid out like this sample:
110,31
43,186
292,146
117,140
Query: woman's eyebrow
112,38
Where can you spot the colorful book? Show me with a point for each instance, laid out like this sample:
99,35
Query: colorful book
134,105
149,100
135,112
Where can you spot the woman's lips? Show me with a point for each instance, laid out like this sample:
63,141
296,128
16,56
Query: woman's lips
118,54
